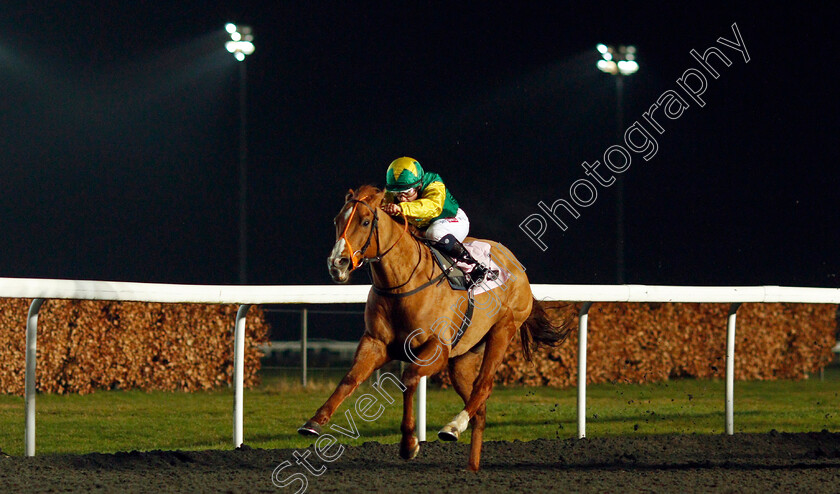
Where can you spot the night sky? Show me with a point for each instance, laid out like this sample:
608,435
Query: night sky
119,136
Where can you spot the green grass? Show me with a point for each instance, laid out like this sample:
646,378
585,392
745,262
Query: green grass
110,421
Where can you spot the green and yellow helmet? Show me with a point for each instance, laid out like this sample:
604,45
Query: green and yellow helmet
403,174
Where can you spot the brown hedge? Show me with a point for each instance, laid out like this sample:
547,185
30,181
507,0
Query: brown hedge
88,345
636,343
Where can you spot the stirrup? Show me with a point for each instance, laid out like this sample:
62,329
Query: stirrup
477,273
480,273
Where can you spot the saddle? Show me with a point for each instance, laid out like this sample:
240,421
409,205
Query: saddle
454,275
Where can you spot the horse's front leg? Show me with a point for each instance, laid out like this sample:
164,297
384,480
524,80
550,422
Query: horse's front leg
431,359
370,355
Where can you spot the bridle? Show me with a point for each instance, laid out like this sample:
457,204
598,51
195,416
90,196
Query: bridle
359,254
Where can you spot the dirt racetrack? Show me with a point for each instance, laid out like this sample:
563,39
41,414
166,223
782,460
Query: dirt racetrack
774,462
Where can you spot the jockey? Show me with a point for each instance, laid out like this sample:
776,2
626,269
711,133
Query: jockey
429,205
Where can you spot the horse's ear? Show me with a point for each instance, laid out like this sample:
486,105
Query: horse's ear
379,197
349,195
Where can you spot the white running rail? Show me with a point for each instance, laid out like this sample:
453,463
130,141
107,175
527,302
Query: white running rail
245,296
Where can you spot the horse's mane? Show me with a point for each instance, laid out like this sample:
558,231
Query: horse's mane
367,192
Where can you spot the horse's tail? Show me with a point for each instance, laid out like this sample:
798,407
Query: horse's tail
539,330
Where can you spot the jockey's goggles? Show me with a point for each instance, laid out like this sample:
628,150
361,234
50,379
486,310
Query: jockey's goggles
404,191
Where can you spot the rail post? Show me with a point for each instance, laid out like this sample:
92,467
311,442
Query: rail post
730,369
583,320
29,378
304,329
421,410
239,373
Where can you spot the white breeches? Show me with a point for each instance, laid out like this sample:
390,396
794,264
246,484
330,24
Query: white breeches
459,226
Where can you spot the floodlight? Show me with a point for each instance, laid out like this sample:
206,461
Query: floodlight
621,61
627,67
241,41
607,66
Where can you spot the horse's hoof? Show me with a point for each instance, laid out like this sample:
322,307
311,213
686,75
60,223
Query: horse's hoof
412,453
310,428
449,433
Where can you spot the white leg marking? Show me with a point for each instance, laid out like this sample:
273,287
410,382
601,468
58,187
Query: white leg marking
461,421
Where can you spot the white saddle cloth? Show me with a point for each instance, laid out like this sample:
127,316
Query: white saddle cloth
481,253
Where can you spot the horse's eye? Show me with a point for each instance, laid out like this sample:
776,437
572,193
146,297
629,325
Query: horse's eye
366,223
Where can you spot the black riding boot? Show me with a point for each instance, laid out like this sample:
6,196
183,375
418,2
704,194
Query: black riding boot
451,246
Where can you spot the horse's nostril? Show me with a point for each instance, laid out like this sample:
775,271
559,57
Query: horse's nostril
343,261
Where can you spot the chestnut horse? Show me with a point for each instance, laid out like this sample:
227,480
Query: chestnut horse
406,319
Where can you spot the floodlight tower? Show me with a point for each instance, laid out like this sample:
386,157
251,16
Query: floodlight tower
619,62
241,44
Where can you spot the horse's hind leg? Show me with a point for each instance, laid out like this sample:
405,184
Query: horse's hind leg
370,355
496,343
434,356
463,371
